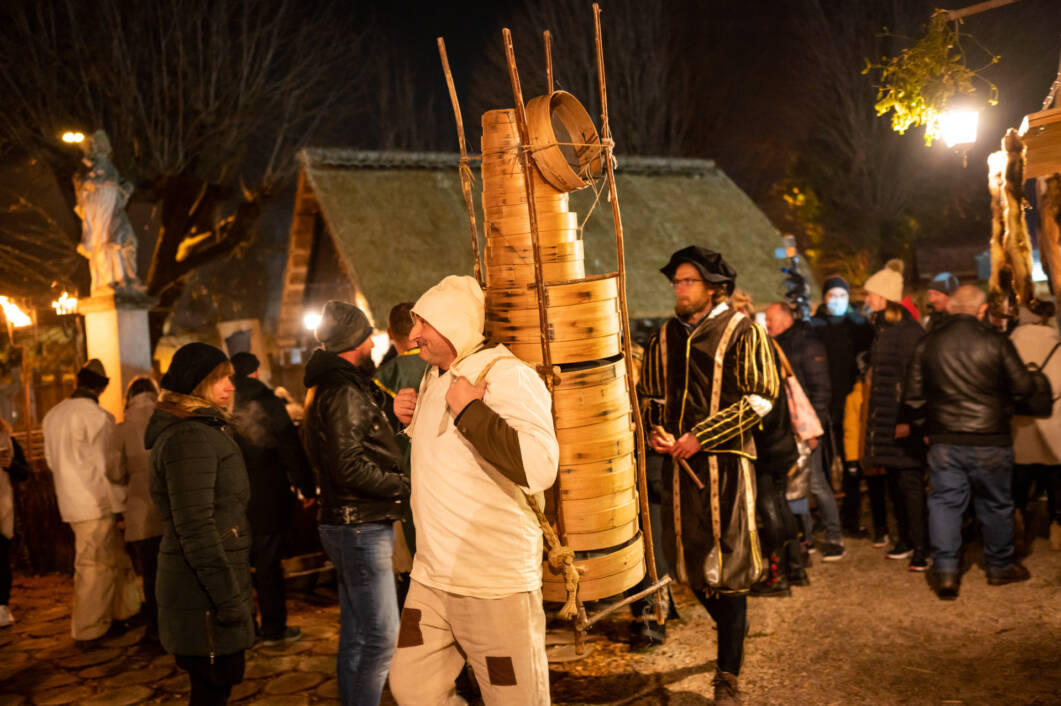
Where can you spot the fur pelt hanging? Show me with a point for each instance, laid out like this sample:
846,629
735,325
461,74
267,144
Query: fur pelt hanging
1049,197
1011,284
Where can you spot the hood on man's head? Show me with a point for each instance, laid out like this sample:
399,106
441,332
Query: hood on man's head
456,308
710,264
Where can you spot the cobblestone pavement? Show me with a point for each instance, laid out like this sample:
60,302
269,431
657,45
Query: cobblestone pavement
866,631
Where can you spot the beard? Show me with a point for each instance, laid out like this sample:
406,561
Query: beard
686,307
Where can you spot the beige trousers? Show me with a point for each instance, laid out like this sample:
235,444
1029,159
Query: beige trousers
502,638
105,585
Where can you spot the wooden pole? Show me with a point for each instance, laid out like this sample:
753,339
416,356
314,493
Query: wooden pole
465,170
546,371
639,428
963,12
548,60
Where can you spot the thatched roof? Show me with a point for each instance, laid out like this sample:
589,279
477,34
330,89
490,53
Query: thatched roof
399,224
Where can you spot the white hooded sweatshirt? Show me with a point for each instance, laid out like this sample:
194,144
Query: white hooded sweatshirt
80,445
475,533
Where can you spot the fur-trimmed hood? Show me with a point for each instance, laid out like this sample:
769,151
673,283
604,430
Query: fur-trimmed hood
174,408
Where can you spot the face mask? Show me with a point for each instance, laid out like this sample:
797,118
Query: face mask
837,306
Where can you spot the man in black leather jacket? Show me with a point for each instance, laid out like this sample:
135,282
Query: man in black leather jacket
961,387
362,492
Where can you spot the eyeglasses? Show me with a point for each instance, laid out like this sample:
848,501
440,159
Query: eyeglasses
687,282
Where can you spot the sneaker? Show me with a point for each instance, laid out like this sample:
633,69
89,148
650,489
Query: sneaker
6,619
880,540
1014,573
833,552
919,563
726,691
291,634
900,551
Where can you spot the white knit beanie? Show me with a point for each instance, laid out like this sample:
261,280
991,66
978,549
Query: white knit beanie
888,283
456,308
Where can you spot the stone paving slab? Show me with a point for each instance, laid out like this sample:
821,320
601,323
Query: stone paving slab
124,696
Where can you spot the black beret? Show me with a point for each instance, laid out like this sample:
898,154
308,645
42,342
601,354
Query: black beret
710,264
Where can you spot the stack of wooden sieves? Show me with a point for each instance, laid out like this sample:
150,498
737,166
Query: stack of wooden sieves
596,502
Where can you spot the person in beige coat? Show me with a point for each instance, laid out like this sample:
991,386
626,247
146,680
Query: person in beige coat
1037,442
143,524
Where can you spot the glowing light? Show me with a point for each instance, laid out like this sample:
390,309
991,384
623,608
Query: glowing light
958,127
15,316
73,138
65,304
311,320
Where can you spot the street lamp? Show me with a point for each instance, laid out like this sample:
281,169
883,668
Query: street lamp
958,127
65,304
311,320
73,138
16,318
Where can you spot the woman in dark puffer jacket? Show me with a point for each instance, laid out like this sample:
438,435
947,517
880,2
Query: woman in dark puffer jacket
890,445
200,485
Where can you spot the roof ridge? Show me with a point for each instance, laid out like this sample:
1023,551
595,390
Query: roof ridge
341,157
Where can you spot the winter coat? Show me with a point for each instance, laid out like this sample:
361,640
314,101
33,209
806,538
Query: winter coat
350,444
844,338
15,472
81,447
775,444
1039,440
806,355
854,424
273,455
963,382
200,486
890,356
142,520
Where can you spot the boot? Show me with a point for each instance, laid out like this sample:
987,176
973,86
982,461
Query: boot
1055,536
797,576
726,691
775,584
1020,545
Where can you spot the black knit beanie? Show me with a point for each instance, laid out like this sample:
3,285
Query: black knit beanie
92,375
835,281
244,364
191,364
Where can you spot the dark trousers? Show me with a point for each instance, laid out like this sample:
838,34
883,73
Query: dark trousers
5,569
876,487
1041,476
907,487
146,551
269,582
212,682
730,613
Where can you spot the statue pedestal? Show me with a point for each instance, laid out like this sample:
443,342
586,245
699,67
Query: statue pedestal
117,333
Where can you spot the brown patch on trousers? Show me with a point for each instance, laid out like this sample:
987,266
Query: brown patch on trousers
409,634
501,671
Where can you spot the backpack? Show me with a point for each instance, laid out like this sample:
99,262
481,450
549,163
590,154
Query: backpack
1040,403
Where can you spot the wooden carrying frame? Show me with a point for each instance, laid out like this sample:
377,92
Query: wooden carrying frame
547,312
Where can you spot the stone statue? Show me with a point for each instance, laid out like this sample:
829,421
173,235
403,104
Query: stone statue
107,237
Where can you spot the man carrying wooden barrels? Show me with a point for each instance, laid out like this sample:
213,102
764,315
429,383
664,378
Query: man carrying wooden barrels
482,437
707,381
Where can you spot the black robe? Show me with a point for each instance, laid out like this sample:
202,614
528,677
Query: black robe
677,386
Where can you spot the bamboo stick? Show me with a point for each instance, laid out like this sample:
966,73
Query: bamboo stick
639,427
548,60
465,170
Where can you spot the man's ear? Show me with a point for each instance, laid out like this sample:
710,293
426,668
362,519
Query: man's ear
982,312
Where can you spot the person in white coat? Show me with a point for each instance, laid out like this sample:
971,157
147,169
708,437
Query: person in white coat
1037,442
81,449
482,437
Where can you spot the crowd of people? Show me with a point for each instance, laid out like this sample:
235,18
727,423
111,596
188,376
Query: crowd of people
423,473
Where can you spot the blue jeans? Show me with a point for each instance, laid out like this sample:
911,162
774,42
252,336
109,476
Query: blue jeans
985,472
368,607
825,500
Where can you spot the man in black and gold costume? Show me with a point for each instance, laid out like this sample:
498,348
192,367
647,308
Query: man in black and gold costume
708,379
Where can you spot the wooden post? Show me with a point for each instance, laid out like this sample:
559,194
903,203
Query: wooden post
465,170
548,60
639,428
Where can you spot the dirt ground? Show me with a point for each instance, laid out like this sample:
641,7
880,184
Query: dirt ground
866,631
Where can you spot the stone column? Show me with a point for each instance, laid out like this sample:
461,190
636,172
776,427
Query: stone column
117,333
